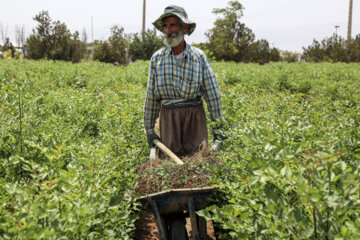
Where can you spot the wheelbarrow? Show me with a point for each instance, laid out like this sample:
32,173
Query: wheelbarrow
170,208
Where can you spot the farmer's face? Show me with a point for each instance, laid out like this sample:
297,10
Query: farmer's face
171,26
174,31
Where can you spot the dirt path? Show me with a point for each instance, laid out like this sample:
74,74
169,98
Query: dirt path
146,228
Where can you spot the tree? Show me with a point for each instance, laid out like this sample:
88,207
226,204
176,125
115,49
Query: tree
9,47
102,53
60,42
229,33
114,49
274,55
19,35
258,51
142,47
3,32
354,53
84,36
231,40
53,40
34,48
119,44
77,48
333,49
314,52
40,41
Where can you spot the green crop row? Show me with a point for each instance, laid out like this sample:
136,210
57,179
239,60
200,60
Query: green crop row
71,136
291,160
70,139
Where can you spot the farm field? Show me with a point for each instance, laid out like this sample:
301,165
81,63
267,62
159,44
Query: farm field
71,138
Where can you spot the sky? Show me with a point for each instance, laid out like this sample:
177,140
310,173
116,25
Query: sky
286,24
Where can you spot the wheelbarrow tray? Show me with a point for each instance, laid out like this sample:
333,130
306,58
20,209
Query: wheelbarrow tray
176,200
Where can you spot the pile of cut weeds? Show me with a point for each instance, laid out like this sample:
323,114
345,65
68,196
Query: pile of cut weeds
164,174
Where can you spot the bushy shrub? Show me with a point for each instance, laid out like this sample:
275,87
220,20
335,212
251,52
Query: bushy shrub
8,55
8,46
142,48
114,50
333,49
289,57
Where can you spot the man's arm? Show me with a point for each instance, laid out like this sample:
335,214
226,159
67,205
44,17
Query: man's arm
152,103
211,93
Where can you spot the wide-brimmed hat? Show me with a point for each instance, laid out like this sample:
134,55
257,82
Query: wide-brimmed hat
177,11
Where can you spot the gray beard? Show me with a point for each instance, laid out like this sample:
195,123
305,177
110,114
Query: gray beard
174,39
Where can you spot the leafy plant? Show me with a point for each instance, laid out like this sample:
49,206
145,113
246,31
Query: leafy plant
71,138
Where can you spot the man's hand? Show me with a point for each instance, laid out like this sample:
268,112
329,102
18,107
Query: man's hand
216,145
151,137
219,136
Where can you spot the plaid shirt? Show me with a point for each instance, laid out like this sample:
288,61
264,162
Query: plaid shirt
187,78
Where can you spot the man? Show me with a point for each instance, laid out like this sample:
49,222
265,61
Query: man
180,75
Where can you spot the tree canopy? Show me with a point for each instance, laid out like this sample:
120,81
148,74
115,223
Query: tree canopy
333,49
142,47
114,49
232,40
53,40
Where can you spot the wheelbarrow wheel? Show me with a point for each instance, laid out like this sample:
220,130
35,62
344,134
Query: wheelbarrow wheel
178,230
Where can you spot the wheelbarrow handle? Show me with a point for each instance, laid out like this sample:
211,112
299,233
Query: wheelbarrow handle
168,152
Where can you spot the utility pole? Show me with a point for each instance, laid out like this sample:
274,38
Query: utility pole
350,21
92,30
143,23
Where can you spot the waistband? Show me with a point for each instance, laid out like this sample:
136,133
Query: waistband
187,103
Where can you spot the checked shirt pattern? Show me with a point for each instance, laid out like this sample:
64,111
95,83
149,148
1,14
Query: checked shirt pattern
187,78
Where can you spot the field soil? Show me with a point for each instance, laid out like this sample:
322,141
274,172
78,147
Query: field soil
146,228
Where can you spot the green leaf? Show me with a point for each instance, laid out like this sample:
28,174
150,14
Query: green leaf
115,200
272,170
230,211
315,196
301,183
309,230
205,214
344,231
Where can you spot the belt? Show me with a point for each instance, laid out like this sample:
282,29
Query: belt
187,103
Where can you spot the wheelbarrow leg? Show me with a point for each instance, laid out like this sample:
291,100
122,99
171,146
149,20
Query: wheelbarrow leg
194,226
159,221
202,228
